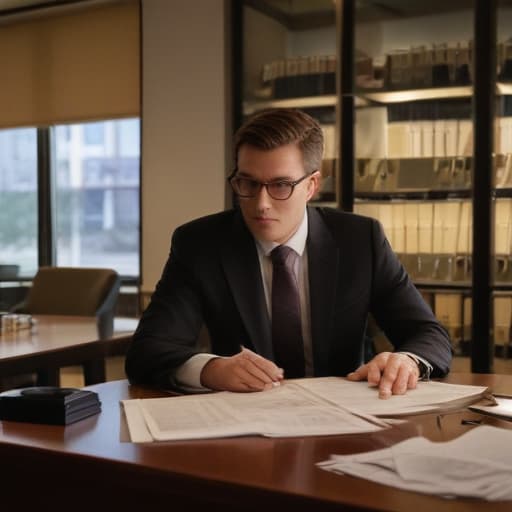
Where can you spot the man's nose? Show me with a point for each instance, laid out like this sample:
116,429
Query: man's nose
262,198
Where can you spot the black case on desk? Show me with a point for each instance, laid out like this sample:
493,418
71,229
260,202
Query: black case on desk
48,404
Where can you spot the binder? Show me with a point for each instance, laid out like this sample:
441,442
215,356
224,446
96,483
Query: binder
448,309
371,137
439,138
502,319
411,214
398,216
399,140
465,138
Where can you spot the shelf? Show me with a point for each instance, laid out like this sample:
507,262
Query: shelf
416,94
328,100
363,98
430,195
502,193
433,93
443,286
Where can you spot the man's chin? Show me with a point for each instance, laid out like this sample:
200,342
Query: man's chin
264,233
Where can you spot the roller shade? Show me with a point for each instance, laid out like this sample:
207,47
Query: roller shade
72,66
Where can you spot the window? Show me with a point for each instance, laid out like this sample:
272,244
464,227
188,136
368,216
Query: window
18,199
97,195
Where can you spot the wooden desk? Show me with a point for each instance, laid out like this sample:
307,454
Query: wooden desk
57,341
81,462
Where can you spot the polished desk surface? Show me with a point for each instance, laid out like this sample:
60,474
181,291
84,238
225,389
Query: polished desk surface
59,340
49,332
247,473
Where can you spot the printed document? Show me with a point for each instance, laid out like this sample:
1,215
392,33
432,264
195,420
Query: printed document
477,464
502,408
301,407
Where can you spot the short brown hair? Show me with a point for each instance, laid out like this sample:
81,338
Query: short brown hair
273,128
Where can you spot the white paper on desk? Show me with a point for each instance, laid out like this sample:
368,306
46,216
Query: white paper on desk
477,464
137,428
503,408
428,396
301,407
284,411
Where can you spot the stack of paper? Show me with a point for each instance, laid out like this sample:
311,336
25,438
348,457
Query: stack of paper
501,408
477,464
301,407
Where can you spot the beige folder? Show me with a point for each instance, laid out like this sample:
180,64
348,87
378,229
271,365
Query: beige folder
399,140
503,229
398,216
465,138
411,213
502,319
371,138
425,227
439,138
465,232
448,310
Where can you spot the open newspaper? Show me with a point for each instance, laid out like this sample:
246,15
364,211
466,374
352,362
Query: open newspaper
301,407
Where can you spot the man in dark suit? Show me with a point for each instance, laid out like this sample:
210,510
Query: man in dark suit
220,274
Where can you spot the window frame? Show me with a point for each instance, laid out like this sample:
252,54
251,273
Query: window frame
46,246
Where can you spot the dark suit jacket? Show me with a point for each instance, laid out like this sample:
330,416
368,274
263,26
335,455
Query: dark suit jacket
213,277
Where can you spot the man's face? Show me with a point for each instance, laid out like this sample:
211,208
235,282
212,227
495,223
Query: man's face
267,218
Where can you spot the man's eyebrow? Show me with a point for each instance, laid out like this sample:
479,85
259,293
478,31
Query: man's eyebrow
273,180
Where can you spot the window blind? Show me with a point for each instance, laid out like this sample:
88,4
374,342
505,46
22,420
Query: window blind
70,66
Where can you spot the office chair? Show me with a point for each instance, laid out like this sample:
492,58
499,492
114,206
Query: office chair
74,292
9,271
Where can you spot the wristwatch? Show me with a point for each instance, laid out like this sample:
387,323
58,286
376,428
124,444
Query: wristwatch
424,367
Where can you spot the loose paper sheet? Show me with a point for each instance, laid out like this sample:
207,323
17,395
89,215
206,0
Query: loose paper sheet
301,407
503,408
477,464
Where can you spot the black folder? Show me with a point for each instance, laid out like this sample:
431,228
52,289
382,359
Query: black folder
48,404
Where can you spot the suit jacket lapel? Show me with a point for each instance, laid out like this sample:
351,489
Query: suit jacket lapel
323,258
242,269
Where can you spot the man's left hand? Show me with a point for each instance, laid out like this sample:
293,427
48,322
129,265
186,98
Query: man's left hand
393,373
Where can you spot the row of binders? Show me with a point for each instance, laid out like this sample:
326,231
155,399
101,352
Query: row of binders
425,231
376,137
453,310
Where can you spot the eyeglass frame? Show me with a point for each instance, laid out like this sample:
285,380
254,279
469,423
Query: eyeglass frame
265,184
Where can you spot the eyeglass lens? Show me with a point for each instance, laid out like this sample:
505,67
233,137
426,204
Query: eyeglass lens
249,188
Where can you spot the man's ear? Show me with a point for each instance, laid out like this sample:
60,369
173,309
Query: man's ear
314,184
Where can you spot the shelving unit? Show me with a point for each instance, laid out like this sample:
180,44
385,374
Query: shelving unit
469,173
292,66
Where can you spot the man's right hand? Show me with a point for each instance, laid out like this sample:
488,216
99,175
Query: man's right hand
243,372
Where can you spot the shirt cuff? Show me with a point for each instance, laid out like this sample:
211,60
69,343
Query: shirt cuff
424,366
188,375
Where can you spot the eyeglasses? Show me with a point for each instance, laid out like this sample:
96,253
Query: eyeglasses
280,190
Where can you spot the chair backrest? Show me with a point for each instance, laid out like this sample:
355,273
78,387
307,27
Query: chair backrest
75,291
9,271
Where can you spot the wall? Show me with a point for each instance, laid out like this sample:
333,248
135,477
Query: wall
184,117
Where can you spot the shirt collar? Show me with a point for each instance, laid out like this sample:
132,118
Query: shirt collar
297,241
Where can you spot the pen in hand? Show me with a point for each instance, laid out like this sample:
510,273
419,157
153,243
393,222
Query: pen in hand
264,365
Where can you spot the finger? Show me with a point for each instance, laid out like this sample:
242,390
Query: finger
389,376
412,382
359,374
255,372
374,373
399,387
264,365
